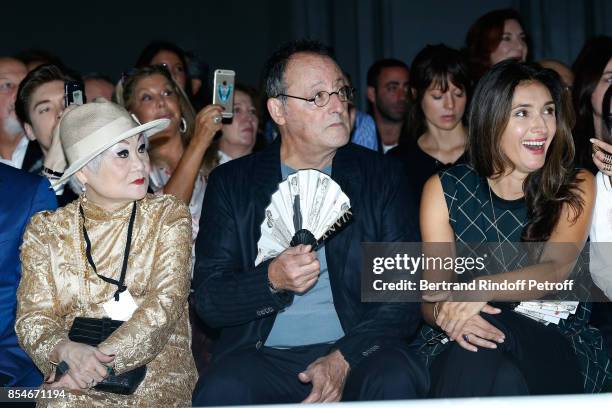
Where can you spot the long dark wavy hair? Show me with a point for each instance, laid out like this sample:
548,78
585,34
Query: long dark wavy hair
546,189
588,69
434,64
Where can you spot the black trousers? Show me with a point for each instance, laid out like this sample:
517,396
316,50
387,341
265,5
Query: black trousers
270,376
601,317
533,360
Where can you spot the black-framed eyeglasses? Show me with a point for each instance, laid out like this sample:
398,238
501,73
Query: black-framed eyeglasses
322,97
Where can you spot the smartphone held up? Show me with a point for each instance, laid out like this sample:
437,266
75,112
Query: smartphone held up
223,91
74,93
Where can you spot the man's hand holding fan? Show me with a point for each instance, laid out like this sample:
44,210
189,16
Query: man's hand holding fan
305,210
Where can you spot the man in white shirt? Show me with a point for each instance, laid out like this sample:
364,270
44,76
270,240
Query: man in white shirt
13,143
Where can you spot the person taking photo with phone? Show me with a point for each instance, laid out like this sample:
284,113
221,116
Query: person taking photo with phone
176,153
39,105
238,135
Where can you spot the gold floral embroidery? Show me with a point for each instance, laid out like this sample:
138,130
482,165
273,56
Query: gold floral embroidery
57,286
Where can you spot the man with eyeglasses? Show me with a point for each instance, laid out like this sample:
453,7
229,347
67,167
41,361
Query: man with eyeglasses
388,94
294,328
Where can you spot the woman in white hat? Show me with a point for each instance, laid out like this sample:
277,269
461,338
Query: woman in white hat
118,253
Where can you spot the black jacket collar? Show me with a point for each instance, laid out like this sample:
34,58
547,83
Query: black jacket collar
268,168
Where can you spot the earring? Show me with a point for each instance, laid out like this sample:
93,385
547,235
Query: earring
83,196
135,119
183,125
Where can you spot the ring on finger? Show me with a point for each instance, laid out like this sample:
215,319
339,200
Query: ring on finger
217,119
607,158
466,338
607,167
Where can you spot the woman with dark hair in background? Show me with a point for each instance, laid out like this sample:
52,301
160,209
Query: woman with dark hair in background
521,185
496,36
172,57
601,226
434,134
593,76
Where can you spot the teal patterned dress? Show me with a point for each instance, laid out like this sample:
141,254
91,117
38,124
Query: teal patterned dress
475,219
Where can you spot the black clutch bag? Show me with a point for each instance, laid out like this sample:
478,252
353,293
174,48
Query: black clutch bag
93,331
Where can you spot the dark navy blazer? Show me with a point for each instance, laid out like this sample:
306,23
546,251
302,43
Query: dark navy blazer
233,294
21,195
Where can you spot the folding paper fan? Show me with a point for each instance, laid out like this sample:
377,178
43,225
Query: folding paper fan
306,209
547,311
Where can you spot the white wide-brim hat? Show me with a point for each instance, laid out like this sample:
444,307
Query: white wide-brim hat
88,130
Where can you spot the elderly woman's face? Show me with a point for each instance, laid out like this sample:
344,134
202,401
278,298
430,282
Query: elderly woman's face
123,175
243,129
154,98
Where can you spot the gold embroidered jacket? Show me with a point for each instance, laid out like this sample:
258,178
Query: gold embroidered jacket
58,285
